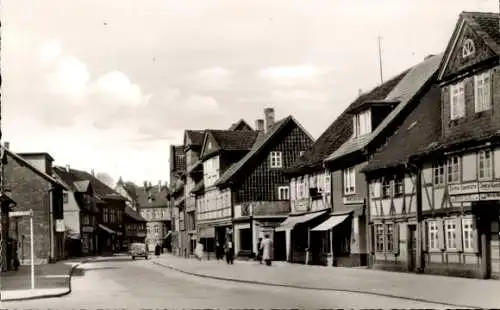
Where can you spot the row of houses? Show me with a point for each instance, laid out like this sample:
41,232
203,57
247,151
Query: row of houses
74,213
406,178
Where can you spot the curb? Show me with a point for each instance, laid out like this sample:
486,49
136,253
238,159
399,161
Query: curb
201,275
72,270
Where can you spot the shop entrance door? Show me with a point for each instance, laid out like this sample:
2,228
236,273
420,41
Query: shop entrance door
412,247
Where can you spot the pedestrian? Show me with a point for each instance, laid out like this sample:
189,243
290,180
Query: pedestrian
157,250
229,252
259,251
199,250
266,247
219,251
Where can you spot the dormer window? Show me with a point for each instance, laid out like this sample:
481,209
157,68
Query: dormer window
468,48
362,123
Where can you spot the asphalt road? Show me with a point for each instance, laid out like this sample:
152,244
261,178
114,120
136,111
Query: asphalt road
119,282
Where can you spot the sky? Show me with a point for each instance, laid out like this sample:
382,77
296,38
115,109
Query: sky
109,85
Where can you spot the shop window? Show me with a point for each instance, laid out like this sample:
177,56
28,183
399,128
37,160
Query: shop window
450,231
468,234
485,165
433,235
379,237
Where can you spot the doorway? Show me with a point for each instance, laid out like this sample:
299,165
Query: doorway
412,247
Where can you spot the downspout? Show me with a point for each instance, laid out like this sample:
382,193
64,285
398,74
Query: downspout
369,244
51,224
420,231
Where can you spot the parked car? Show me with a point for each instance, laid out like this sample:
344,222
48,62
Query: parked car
138,250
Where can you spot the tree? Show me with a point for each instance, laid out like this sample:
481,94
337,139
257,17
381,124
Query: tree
106,179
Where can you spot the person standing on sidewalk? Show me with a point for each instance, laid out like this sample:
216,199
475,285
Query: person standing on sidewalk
199,250
266,247
259,251
229,252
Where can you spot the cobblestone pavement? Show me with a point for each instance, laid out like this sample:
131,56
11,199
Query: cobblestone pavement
119,282
439,289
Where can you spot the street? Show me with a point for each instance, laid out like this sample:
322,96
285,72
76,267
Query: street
118,282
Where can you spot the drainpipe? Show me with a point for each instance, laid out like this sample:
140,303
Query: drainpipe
369,244
420,221
51,225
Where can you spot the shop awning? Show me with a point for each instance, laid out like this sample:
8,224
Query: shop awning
333,221
291,221
207,232
106,229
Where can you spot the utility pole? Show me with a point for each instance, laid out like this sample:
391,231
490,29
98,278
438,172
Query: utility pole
380,59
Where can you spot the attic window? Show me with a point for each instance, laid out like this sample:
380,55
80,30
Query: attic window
468,48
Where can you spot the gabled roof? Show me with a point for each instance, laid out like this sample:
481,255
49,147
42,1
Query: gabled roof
484,24
260,143
240,125
418,131
101,190
340,130
407,89
134,214
158,196
27,164
196,137
82,186
233,140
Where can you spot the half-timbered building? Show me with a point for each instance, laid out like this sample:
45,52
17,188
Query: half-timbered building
457,174
372,121
176,197
259,190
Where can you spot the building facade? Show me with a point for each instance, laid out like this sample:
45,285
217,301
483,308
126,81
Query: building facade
452,166
176,198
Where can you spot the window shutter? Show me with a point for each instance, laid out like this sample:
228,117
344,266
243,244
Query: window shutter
425,232
440,226
396,239
458,234
475,236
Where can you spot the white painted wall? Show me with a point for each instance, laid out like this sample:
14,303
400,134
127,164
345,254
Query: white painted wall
72,213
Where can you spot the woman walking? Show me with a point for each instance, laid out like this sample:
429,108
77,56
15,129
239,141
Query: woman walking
266,247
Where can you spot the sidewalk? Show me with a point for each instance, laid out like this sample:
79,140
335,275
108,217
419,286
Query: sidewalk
51,280
449,291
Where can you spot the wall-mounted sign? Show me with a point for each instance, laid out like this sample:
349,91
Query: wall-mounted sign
485,187
20,213
465,188
489,196
464,198
349,200
87,229
302,205
60,226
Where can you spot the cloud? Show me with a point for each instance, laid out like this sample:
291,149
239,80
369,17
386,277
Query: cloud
292,75
214,78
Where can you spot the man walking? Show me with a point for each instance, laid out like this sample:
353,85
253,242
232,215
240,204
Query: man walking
229,252
259,251
266,247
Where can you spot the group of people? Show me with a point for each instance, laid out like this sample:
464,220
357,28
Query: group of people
264,250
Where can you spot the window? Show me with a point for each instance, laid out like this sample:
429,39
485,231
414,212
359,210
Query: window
485,164
157,229
379,237
349,181
468,48
276,160
105,215
300,189
453,169
457,101
327,183
433,235
399,188
283,193
438,173
467,234
386,188
65,198
390,237
482,93
362,123
450,230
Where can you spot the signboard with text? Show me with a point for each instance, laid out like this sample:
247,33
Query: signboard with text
349,200
475,191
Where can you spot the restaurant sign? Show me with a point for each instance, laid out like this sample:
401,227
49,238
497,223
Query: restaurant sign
474,191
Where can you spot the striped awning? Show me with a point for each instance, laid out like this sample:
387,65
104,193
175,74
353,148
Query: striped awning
330,223
107,229
291,221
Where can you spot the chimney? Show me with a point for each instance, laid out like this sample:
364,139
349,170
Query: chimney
6,145
145,185
159,185
67,168
360,91
259,125
269,118
92,172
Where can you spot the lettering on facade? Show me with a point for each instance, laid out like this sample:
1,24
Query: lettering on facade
353,200
302,205
474,191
